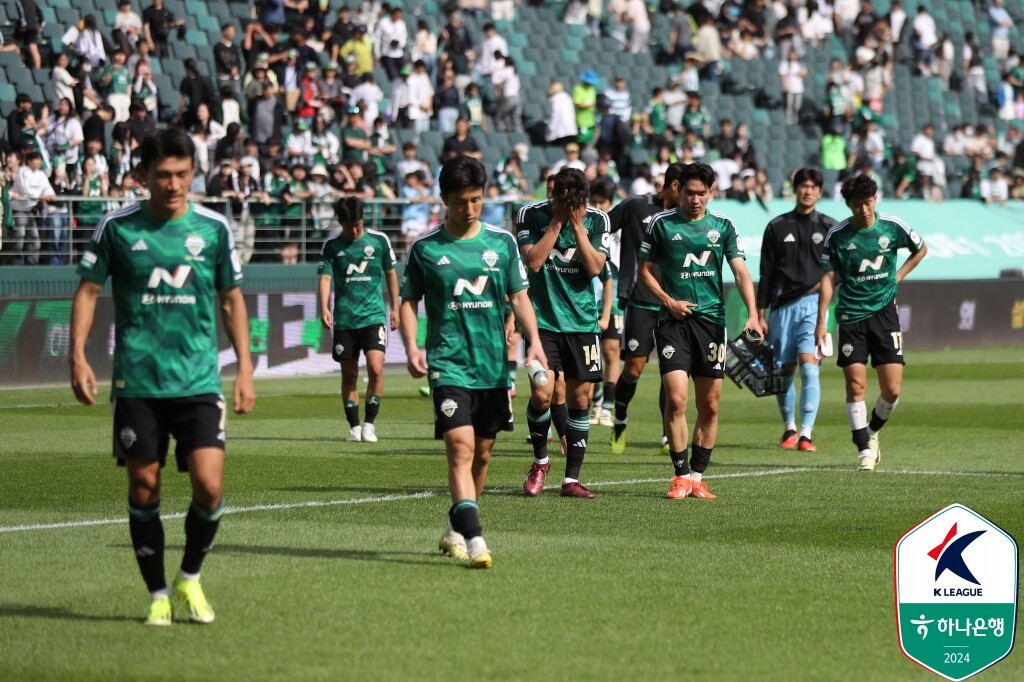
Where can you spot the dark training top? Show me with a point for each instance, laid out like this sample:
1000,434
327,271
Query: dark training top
791,257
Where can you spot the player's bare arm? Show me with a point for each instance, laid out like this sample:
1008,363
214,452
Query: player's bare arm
825,291
83,309
522,309
416,363
677,309
607,296
911,263
592,259
745,285
392,279
236,324
324,290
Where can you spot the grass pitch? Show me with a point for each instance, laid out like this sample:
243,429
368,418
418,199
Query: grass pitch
326,566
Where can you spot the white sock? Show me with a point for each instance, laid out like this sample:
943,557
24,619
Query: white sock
188,576
857,414
885,409
567,481
865,453
695,477
159,594
805,432
790,426
541,461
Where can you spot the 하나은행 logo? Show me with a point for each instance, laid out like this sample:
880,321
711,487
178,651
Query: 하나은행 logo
956,582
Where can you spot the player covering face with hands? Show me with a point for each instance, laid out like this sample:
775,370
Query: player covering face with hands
171,264
464,272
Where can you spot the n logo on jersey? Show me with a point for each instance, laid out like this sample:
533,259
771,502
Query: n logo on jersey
361,268
875,264
475,287
177,280
565,257
701,260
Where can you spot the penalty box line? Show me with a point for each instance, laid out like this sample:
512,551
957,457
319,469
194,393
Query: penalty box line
313,504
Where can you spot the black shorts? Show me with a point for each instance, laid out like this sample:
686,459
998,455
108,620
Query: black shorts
576,356
693,346
488,410
879,337
615,326
638,334
348,342
143,427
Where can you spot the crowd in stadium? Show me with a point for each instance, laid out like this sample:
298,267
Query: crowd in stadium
294,110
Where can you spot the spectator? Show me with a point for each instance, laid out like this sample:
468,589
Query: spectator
995,189
295,194
447,103
695,118
341,32
64,136
584,99
877,82
742,46
195,92
974,69
472,105
299,42
570,160
999,22
509,111
680,35
95,128
116,80
458,47
493,47
64,83
620,102
421,98
231,146
29,195
143,51
94,184
674,100
833,149
945,52
897,20
326,145
368,96
263,43
333,93
815,22
924,40
157,22
221,185
424,48
127,27
390,39
310,99
561,120
461,143
643,183
144,89
28,27
56,239
272,12
360,47
298,146
724,141
639,26
788,35
88,44
791,75
922,147
206,133
227,58
416,209
355,140
708,45
726,168
27,138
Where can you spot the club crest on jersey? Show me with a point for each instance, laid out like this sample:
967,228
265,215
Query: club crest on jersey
883,243
668,351
847,349
448,407
128,437
632,344
817,237
195,244
713,236
490,257
368,252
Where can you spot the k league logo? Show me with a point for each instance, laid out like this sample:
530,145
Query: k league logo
956,592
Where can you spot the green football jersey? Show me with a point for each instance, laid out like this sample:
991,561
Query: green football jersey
691,255
608,272
357,269
562,292
864,261
165,277
464,283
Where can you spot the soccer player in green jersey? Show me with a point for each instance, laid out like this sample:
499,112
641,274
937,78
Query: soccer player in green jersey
464,271
359,261
170,263
860,256
564,242
611,321
691,246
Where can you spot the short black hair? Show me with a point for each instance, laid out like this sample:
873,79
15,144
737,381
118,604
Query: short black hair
603,188
811,175
170,142
349,210
674,173
571,188
461,172
858,187
697,171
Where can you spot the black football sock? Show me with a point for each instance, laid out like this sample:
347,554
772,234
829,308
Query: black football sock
559,418
147,532
701,458
372,408
860,439
201,526
538,423
352,412
609,394
465,518
679,463
624,392
576,437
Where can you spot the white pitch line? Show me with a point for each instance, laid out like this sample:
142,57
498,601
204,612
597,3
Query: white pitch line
227,510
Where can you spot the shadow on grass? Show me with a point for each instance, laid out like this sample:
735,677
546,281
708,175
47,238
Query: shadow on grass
412,558
58,613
